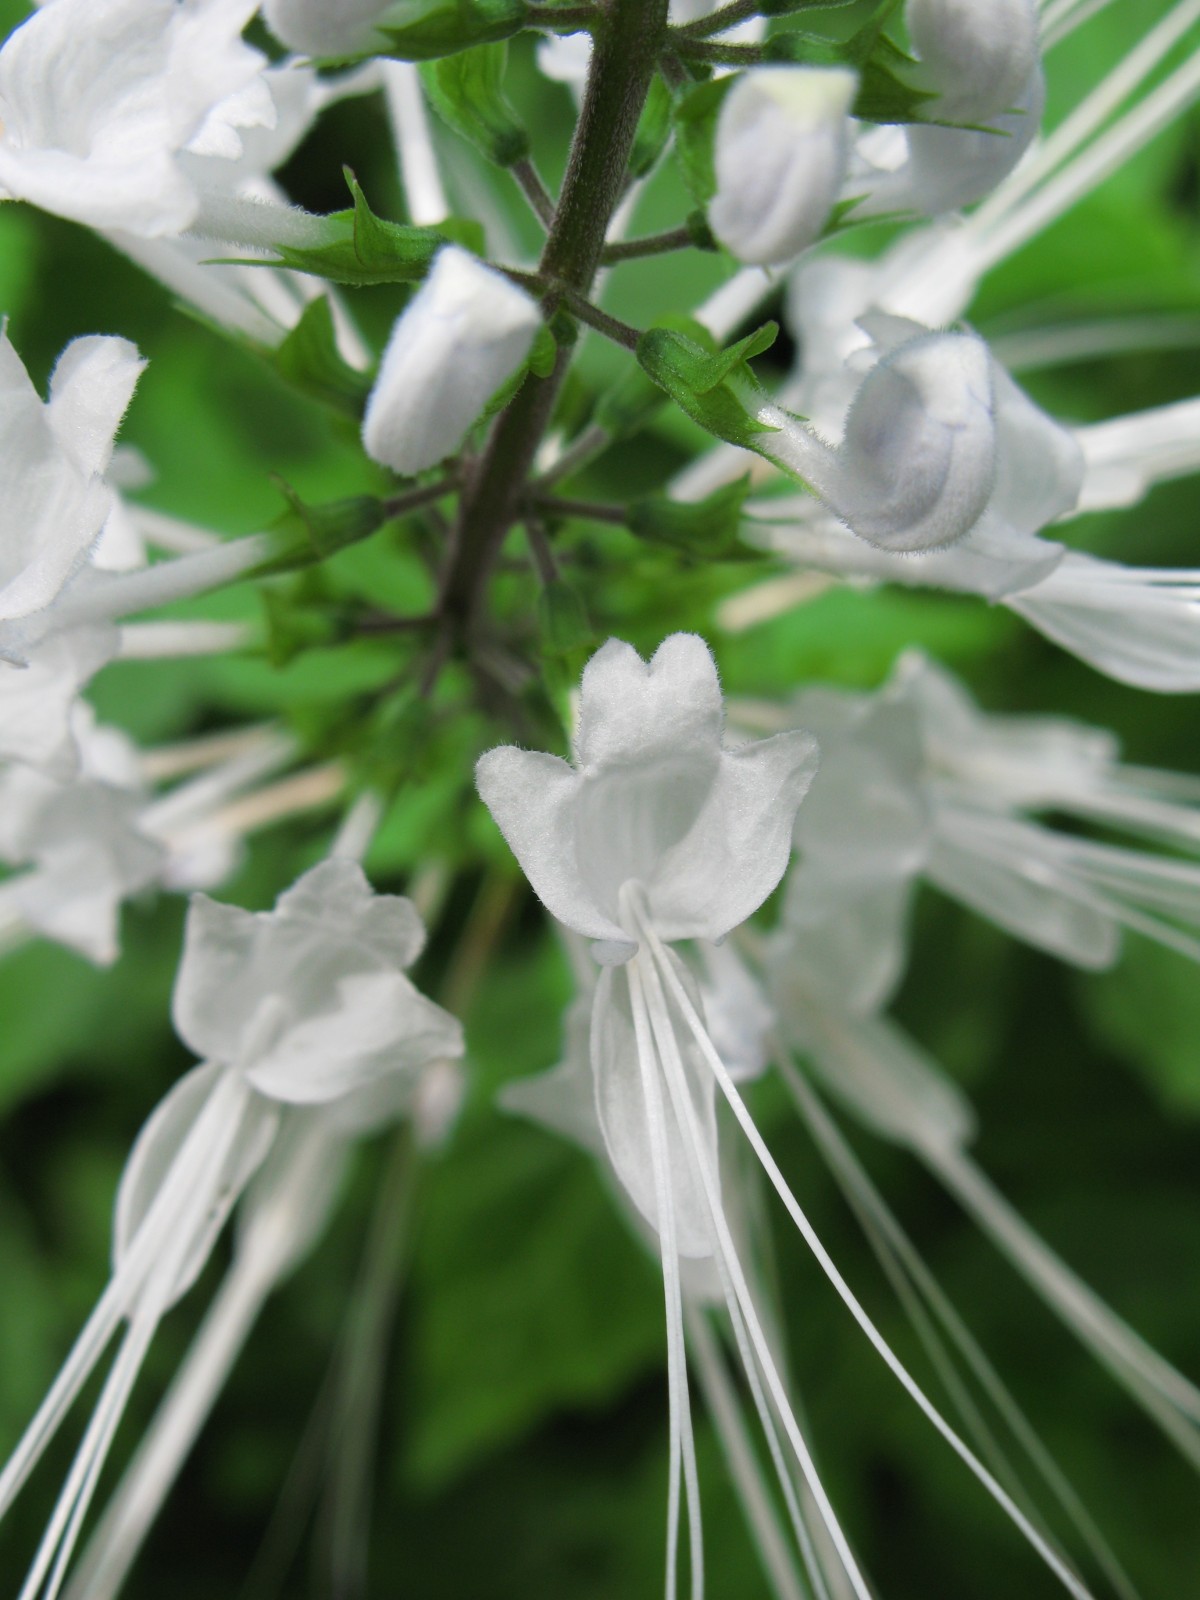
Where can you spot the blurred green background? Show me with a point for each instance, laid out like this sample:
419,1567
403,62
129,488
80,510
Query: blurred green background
522,1426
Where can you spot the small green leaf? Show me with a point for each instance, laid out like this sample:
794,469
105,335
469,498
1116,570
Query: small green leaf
544,352
467,92
653,130
707,527
423,30
310,359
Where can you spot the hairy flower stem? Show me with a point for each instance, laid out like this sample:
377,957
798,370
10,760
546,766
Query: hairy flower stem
628,38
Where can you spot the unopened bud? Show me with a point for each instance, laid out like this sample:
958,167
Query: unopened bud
977,58
918,462
464,334
780,156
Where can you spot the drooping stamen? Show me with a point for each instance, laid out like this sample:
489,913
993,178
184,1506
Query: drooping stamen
1165,1393
891,1242
742,1310
725,1410
682,1447
825,1261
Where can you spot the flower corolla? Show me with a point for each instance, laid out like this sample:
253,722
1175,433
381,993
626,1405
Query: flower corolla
101,101
309,1001
782,143
653,798
53,456
466,332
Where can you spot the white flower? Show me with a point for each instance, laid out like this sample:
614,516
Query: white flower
52,460
940,449
99,98
305,1005
917,782
309,1001
465,333
780,155
978,59
982,65
653,799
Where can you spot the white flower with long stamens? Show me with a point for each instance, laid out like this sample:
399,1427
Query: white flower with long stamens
782,143
303,1006
917,782
645,839
53,456
99,100
895,1089
466,332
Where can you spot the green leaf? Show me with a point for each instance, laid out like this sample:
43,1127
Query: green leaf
310,359
653,130
695,119
707,527
422,30
467,92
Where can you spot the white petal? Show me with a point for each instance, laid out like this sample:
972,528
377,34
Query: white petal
739,847
621,1109
534,799
979,57
155,1151
381,1026
337,894
632,710
91,386
888,1081
780,156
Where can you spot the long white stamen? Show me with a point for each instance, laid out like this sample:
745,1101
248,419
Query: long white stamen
725,1411
358,828
269,749
166,761
413,137
682,1454
162,1219
1062,19
166,582
1099,161
727,1254
1090,114
861,1193
154,1469
193,1200
157,641
1112,1339
825,1261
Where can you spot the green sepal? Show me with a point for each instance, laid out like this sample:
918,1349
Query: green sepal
709,386
306,534
695,119
635,397
885,92
310,359
467,92
707,527
653,130
358,247
562,619
423,30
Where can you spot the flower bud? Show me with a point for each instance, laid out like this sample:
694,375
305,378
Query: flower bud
977,58
463,335
780,155
918,462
